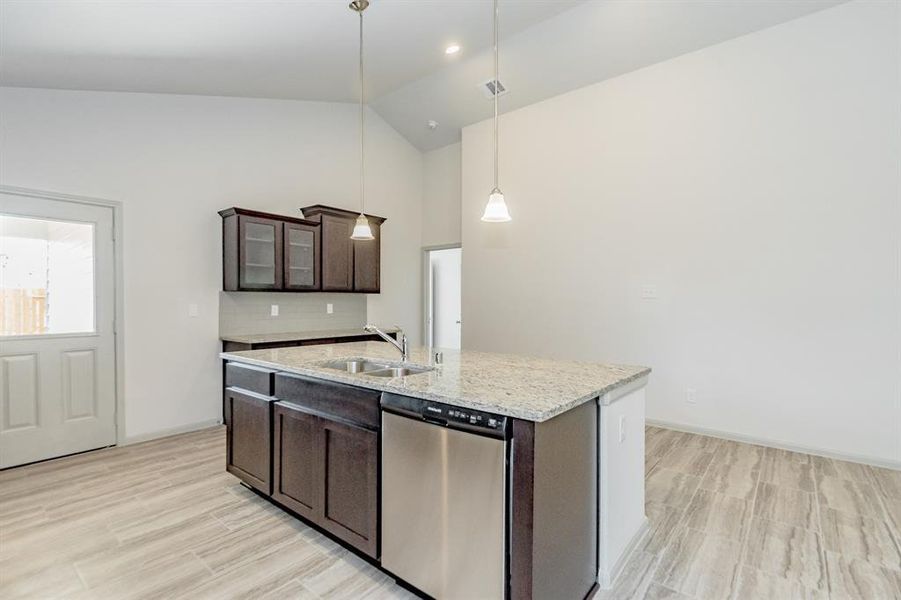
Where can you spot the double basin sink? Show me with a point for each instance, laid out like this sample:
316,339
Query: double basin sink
374,368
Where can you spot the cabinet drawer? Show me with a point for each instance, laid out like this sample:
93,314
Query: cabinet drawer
352,404
249,377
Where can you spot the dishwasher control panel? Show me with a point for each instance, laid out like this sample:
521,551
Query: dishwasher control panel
446,415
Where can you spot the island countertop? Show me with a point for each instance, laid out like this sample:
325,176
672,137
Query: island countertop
534,389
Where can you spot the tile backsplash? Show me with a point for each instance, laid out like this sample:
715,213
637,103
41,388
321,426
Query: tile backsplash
242,313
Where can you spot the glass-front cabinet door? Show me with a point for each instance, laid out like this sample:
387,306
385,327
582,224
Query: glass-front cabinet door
301,256
260,264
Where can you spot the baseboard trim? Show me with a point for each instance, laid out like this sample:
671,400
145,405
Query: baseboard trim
750,439
606,579
155,435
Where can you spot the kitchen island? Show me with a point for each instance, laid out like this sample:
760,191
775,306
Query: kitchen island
481,474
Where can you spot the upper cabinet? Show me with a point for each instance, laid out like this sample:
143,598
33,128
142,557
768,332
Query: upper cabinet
347,265
267,252
302,243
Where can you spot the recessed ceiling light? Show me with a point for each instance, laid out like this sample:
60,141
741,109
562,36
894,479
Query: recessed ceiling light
452,49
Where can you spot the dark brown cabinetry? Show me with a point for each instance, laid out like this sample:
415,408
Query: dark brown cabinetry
325,456
347,265
267,252
326,471
247,420
301,261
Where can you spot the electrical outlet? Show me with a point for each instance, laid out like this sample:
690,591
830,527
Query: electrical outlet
649,292
691,396
329,308
622,429
273,310
193,310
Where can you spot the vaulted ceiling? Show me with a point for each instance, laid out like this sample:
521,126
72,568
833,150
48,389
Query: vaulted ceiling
306,49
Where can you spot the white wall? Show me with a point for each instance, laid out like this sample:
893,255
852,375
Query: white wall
173,161
441,196
756,184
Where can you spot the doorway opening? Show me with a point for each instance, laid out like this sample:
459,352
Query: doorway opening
443,305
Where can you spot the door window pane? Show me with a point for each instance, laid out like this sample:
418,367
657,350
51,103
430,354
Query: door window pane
46,276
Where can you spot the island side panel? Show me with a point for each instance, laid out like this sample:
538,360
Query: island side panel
554,506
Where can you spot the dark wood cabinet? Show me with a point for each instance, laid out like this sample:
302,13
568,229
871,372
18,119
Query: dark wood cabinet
266,252
327,471
337,254
301,260
367,260
296,462
347,265
349,493
248,419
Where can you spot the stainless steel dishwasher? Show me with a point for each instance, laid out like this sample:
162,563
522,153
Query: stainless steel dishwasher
444,498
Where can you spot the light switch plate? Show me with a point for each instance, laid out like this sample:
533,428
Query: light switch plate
273,310
193,310
329,308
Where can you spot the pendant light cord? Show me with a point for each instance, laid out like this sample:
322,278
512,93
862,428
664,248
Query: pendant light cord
496,86
362,119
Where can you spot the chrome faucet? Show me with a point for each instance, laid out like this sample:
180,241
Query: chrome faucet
400,345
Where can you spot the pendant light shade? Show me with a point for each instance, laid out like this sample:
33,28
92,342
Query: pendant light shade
362,231
496,209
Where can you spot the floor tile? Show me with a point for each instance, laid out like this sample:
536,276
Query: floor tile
699,564
785,551
659,592
718,514
687,459
851,579
888,482
737,479
785,472
662,524
786,505
670,487
757,585
849,496
860,537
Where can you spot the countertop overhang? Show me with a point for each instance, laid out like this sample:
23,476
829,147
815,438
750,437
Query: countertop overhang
534,389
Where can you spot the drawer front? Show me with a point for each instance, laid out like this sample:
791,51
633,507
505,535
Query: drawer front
249,377
352,404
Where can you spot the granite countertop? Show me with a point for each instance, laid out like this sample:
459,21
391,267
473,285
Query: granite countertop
292,336
533,389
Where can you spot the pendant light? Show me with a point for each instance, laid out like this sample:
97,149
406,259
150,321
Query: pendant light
496,209
361,231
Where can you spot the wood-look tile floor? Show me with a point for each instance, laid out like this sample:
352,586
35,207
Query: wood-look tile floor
164,520
731,521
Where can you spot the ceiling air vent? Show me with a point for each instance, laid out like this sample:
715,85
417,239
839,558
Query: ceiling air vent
488,88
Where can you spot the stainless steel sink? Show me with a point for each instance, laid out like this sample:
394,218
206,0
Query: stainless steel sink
398,371
376,369
357,365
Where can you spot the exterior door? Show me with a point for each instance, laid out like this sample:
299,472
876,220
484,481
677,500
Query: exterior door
57,341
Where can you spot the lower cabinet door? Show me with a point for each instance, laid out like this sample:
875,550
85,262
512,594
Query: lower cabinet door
248,422
349,494
296,461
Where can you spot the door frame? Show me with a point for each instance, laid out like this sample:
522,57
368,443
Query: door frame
424,298
119,292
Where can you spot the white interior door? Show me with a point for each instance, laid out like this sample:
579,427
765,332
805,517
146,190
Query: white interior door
445,305
57,346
